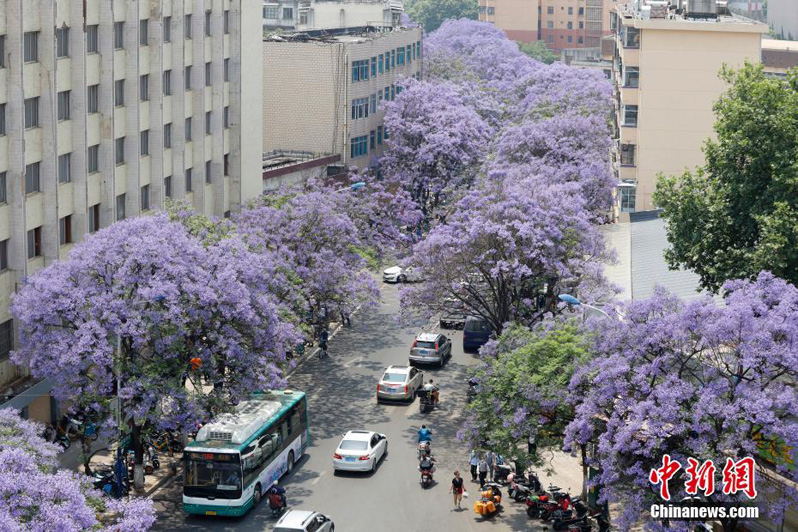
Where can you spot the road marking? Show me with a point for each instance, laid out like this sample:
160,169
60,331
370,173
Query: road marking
316,480
358,359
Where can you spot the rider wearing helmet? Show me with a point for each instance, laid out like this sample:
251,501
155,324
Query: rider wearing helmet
276,489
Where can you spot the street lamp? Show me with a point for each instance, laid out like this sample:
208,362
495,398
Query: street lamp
571,300
353,187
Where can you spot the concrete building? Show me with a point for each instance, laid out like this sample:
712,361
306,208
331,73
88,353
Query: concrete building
561,24
303,15
107,107
665,71
351,73
783,18
779,56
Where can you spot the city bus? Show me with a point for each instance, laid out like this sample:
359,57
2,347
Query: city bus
237,456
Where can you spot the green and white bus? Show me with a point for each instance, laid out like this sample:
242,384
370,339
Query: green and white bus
237,456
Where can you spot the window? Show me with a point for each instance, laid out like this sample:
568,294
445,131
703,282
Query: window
120,207
388,93
373,106
373,140
580,40
167,82
2,51
570,38
3,190
144,87
65,230
208,23
385,131
208,172
119,35
627,154
188,180
93,99
187,26
393,58
188,129
570,25
400,58
226,22
6,339
145,198
631,76
167,186
409,53
550,24
359,146
2,119
167,135
288,13
227,69
549,38
393,92
360,108
62,42
187,78
94,218
35,243
379,96
31,113
491,11
581,25
271,12
626,195
119,93
167,29
63,105
145,142
93,162
373,67
207,74
303,17
144,32
64,175
226,164
581,11
226,117
4,255
119,150
360,70
550,10
380,63
630,37
31,46
629,115
208,123
570,11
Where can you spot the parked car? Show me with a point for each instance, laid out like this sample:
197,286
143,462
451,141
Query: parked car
397,274
476,332
399,383
360,450
430,348
453,315
304,521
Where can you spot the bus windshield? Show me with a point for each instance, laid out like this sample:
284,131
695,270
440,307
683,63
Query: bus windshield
212,475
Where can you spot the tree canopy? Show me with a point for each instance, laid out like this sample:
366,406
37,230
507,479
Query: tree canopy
738,214
538,50
432,13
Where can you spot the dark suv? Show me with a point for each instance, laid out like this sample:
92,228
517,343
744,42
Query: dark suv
476,333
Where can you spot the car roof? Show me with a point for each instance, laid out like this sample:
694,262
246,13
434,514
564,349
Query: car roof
363,435
427,337
398,369
296,518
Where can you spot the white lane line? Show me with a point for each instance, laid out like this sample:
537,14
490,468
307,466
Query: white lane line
357,359
316,480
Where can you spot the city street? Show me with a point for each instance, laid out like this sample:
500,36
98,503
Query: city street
341,389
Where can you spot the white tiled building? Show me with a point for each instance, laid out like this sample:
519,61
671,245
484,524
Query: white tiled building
107,107
306,15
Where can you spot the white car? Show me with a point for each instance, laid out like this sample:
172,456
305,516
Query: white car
360,450
397,274
304,521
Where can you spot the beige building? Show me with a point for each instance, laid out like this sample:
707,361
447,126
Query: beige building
665,72
783,18
561,24
324,95
325,14
107,107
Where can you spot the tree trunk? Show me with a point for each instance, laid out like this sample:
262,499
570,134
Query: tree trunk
85,443
138,458
583,451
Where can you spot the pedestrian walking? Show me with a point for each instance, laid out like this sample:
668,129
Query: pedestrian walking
474,461
490,458
483,471
457,489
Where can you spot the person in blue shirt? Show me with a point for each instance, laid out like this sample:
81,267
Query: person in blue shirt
424,434
278,490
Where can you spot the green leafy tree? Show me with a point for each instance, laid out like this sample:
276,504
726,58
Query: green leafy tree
538,50
738,214
432,13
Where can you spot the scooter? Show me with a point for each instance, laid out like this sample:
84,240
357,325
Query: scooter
522,488
426,477
424,449
425,401
561,502
489,502
561,519
276,504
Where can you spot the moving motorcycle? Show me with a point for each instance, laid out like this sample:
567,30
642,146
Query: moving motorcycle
489,502
276,504
427,467
426,403
424,449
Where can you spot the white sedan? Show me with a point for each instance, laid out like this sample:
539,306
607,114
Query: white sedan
360,450
397,274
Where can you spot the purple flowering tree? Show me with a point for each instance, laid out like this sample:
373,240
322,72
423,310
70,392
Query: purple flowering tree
693,379
146,305
38,497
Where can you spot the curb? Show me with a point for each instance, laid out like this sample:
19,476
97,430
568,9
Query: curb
304,358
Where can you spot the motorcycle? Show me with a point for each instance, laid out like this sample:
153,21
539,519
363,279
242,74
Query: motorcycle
424,449
521,488
426,477
586,524
489,502
501,472
276,504
425,400
562,521
544,506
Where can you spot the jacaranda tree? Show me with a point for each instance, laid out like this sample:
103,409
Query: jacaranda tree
36,496
147,304
693,380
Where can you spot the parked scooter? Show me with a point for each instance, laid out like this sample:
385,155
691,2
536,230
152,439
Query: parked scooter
561,518
543,506
522,487
489,502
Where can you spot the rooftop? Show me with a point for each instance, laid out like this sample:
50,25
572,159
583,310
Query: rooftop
698,15
338,35
776,44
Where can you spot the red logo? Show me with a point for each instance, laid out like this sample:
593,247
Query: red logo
738,476
663,475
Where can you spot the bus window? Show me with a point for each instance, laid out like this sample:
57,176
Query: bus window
294,421
303,411
284,432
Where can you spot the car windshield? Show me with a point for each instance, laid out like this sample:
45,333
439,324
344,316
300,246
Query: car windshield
394,377
477,326
354,445
426,345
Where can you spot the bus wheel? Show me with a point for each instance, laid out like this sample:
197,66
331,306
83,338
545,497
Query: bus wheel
256,496
290,463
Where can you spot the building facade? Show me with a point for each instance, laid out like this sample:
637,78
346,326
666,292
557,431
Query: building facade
783,18
665,74
351,74
303,15
107,108
561,24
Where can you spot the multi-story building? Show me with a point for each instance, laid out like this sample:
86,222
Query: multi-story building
323,92
783,18
665,71
561,24
107,108
306,15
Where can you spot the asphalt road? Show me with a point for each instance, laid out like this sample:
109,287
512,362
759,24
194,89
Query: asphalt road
341,390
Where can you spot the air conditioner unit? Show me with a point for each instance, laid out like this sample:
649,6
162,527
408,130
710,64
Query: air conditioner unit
702,9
